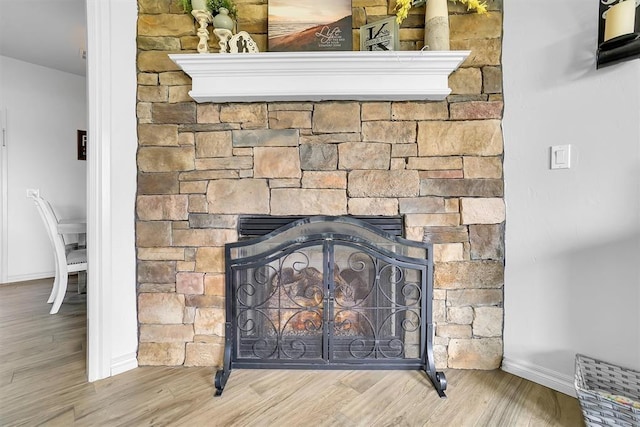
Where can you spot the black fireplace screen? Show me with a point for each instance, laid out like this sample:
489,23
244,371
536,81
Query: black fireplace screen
329,293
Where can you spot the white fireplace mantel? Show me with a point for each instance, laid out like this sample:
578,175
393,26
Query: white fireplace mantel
320,76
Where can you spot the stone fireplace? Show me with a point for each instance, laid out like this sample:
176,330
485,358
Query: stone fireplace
201,166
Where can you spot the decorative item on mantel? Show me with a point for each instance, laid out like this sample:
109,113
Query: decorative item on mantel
223,20
224,12
202,15
436,25
436,19
309,25
242,43
224,26
380,35
238,43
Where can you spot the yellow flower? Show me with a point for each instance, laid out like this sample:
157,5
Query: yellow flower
402,10
403,6
477,5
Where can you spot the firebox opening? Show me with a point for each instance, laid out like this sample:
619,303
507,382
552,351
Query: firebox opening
259,225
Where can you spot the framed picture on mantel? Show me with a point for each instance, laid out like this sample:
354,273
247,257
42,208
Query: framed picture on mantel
309,25
380,35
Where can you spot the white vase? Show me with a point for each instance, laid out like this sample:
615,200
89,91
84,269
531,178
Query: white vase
223,20
436,25
199,4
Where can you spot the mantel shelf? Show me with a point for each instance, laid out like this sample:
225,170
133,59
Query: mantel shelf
320,76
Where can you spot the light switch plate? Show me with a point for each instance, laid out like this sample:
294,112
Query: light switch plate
560,157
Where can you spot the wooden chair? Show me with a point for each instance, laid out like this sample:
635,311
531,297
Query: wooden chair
68,258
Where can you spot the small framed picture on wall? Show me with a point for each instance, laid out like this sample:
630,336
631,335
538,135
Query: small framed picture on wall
82,145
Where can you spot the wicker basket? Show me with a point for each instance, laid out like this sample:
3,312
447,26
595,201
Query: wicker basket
601,388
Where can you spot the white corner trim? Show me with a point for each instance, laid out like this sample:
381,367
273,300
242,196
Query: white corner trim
4,196
98,189
543,376
320,76
124,363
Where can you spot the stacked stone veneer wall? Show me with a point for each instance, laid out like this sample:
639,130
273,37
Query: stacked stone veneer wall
200,166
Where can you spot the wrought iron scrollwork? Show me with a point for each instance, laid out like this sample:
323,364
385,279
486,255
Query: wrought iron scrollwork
335,301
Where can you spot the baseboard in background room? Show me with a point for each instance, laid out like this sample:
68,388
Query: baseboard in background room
11,280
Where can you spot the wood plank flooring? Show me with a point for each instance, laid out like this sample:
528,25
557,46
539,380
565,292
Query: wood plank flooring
43,382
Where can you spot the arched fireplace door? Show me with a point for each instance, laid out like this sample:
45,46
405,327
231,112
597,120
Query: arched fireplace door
329,293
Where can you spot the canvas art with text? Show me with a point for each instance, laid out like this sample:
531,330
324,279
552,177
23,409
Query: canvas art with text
309,25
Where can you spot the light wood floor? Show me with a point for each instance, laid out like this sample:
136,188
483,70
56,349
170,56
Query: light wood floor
42,382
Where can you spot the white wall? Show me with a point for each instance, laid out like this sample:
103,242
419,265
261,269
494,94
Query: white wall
572,281
44,109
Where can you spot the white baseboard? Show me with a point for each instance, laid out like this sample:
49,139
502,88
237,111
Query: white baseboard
123,363
27,277
543,376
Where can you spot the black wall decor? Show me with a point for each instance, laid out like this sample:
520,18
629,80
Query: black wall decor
619,48
82,144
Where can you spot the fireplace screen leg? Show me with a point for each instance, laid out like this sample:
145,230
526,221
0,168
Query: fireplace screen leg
437,378
439,381
222,375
